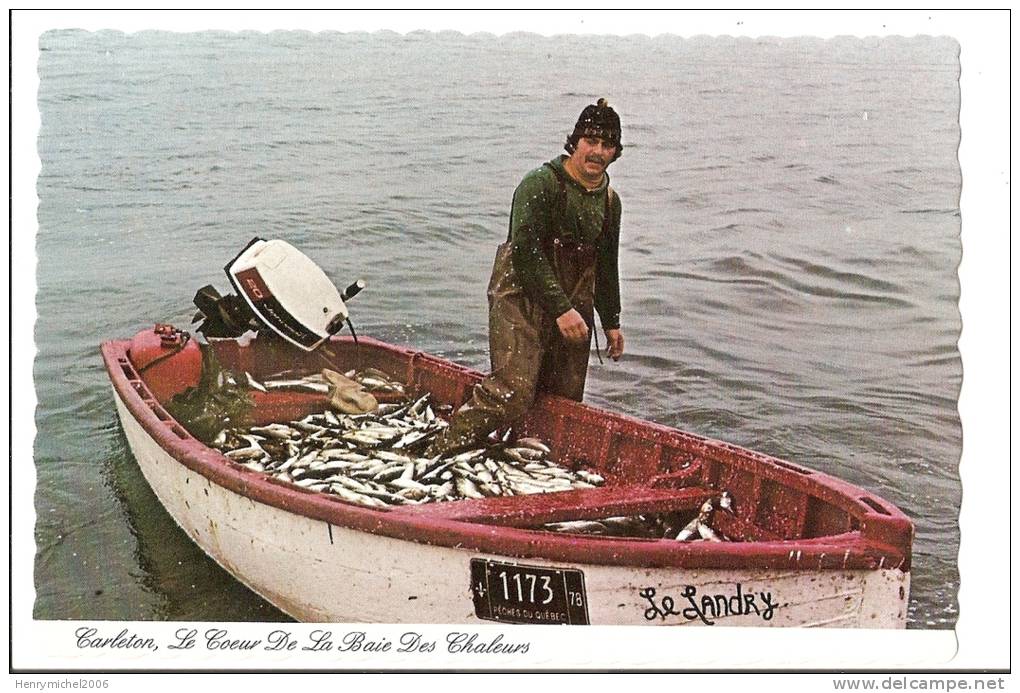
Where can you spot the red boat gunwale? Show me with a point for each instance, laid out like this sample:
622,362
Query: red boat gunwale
828,524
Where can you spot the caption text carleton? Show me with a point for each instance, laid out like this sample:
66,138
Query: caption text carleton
220,639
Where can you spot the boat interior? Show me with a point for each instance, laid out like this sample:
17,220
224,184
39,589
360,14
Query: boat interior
650,470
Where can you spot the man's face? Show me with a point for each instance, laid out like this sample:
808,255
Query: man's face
592,155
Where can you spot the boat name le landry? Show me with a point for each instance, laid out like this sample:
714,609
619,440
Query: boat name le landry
709,607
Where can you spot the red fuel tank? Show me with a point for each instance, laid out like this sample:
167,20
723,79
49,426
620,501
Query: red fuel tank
168,360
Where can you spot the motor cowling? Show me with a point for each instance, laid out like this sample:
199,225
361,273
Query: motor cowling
279,289
287,292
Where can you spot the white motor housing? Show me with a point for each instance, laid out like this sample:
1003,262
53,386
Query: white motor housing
288,292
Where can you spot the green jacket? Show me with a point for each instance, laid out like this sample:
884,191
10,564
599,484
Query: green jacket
539,214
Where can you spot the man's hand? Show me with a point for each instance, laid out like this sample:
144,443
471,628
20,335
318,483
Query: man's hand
573,327
614,344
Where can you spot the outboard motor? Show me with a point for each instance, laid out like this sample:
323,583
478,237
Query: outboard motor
278,288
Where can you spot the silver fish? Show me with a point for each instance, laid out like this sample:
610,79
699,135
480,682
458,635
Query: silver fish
298,385
589,477
469,456
415,409
391,457
442,492
309,427
401,482
410,439
391,472
254,384
376,373
534,444
528,453
578,527
516,456
415,494
276,431
467,489
355,497
250,453
436,472
707,533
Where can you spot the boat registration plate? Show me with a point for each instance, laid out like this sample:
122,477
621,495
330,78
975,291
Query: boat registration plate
515,593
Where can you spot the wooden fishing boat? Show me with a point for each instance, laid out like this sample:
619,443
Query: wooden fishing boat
806,549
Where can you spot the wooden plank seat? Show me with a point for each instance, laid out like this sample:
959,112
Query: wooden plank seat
583,504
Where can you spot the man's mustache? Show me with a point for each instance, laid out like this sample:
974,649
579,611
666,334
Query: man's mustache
596,160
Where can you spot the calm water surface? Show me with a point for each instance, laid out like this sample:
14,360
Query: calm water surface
788,257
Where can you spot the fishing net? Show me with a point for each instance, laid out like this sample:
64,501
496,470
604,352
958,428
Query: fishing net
217,402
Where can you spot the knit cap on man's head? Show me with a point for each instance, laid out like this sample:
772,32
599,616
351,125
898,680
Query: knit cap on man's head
597,120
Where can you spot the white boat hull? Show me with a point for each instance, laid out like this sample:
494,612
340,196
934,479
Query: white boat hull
318,572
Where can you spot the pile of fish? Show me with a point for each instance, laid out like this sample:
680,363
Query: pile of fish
374,459
372,379
699,527
656,526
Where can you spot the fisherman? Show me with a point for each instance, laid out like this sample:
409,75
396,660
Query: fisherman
558,265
